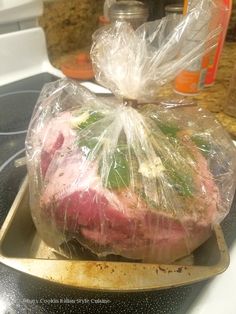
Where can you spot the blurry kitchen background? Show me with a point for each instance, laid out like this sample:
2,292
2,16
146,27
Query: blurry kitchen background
69,24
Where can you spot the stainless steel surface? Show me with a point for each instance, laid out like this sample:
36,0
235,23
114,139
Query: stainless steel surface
21,248
174,9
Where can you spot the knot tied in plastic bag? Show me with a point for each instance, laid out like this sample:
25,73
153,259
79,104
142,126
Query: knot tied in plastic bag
133,64
113,178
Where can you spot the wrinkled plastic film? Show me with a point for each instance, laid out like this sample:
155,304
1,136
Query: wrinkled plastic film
145,183
106,7
151,54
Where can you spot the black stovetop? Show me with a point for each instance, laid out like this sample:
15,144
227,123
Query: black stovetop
21,293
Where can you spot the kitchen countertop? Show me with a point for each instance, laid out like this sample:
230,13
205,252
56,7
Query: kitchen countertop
212,98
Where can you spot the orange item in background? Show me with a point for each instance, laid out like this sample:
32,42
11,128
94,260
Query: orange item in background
190,82
216,54
187,82
78,67
103,20
185,7
192,79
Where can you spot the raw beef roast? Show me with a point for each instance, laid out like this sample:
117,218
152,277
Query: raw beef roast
118,221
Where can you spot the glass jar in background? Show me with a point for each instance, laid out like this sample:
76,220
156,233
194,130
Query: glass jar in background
78,66
230,105
133,12
175,10
174,13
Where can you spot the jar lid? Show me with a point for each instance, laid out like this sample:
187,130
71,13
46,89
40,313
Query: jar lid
174,8
128,9
78,67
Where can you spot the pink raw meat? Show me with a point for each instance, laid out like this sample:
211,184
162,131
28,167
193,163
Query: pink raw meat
57,135
118,222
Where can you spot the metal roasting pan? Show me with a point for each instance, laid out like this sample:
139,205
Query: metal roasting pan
21,248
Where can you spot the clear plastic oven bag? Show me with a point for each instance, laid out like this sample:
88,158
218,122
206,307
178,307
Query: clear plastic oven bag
121,175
